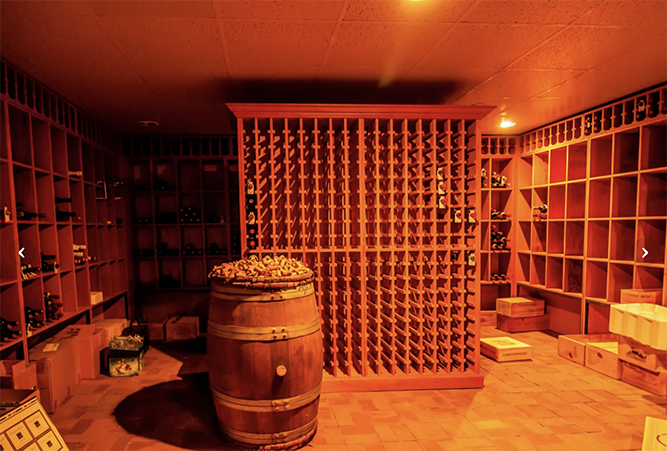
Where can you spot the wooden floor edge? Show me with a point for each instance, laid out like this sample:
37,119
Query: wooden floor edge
335,385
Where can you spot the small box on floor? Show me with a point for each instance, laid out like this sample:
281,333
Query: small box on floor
642,355
603,358
505,349
573,347
651,381
18,375
644,296
532,323
156,330
126,363
133,338
182,328
519,307
90,342
655,435
29,428
58,370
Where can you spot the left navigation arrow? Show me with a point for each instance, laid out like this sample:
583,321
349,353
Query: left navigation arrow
21,252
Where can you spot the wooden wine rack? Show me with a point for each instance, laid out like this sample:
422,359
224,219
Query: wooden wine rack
355,193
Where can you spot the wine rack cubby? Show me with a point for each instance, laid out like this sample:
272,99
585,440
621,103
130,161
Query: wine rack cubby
382,202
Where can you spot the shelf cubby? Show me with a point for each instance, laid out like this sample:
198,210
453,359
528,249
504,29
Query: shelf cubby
653,194
556,237
45,197
189,176
165,176
648,277
599,198
596,279
525,205
523,236
59,151
554,273
598,239
573,275
41,144
654,143
620,278
9,256
65,250
626,151
556,202
19,132
576,200
624,197
622,240
539,237
574,238
601,156
522,272
651,235
537,270
540,168
576,161
525,172
82,289
558,165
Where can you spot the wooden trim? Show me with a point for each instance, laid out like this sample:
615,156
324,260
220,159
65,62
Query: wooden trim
425,381
278,437
338,111
249,295
264,333
267,405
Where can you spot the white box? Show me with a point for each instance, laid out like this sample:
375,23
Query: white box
96,297
646,323
633,296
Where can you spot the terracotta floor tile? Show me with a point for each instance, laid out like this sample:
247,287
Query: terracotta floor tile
361,439
403,446
385,432
428,431
402,432
473,443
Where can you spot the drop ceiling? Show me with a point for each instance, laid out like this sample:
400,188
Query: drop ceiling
179,62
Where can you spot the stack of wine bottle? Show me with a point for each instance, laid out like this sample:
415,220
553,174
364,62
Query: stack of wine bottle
49,264
79,255
189,215
163,250
9,330
64,216
495,214
190,249
498,239
53,307
499,181
214,249
28,271
212,217
23,215
142,220
34,319
541,213
498,277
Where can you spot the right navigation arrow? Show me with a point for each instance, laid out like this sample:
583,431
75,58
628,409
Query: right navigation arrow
645,252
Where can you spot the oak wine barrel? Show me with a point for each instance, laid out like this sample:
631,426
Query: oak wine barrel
265,361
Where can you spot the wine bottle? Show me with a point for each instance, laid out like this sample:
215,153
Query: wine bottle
6,322
65,215
50,267
23,215
75,173
32,313
63,200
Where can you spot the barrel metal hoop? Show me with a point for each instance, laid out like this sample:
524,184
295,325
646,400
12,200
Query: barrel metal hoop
249,295
268,405
262,439
246,333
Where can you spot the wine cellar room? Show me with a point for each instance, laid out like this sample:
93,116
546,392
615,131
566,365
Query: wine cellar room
335,224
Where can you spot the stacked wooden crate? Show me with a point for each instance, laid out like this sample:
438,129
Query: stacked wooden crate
521,315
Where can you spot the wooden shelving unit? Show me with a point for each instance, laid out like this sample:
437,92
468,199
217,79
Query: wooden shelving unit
184,209
51,149
603,175
376,199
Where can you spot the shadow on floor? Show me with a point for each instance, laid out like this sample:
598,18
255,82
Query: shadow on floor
192,354
179,412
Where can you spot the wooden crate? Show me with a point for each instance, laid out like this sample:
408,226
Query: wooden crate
182,328
603,358
573,347
505,349
642,355
519,307
633,296
532,323
654,382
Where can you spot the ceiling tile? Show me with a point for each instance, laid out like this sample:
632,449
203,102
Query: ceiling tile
528,12
461,79
259,71
358,72
289,44
387,45
278,10
483,46
170,48
521,83
153,8
635,13
583,47
406,11
501,103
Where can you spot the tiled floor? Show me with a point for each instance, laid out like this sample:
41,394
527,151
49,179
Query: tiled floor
546,404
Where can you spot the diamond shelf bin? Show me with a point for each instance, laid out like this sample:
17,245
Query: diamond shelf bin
374,199
646,323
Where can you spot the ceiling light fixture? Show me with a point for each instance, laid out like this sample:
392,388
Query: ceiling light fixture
506,123
148,124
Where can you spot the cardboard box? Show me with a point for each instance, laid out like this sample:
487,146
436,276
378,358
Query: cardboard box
58,370
488,318
573,347
18,375
16,397
29,428
654,382
156,331
655,435
642,355
519,307
96,297
603,358
505,349
532,323
182,328
90,341
637,295
114,327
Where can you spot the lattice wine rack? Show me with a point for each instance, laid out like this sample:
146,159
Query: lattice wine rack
380,201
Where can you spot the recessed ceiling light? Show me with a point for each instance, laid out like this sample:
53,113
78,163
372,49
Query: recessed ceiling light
506,123
148,124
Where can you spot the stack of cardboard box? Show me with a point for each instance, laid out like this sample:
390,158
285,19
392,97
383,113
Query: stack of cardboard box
521,315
